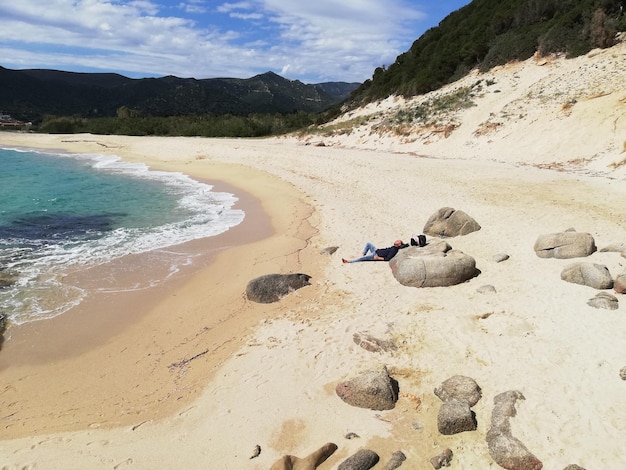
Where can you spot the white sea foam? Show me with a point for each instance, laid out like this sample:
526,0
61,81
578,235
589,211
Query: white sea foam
40,291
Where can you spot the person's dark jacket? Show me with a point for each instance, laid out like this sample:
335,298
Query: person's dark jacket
388,253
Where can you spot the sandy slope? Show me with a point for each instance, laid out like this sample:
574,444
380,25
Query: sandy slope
522,162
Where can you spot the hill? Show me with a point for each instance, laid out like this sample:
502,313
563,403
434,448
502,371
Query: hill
31,94
549,112
487,33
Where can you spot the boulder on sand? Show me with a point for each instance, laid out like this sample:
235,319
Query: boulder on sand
435,265
448,222
564,245
271,287
372,389
588,274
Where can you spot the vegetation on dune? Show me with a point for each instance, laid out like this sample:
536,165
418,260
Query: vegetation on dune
487,33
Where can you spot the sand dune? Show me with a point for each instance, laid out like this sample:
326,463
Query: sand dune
541,150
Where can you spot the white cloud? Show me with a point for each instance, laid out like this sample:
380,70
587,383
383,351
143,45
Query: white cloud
313,41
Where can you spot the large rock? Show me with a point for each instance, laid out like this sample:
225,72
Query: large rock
454,417
564,245
506,450
588,274
435,265
448,222
620,284
372,389
272,287
459,387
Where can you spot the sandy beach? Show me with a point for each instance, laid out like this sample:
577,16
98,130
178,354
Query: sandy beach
195,375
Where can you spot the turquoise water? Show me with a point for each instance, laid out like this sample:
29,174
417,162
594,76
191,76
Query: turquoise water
61,212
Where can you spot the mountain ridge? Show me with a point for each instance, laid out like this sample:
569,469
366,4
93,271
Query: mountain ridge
30,94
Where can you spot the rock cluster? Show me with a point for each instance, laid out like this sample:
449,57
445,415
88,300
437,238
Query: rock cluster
458,394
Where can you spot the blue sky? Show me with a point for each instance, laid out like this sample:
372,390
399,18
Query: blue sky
309,40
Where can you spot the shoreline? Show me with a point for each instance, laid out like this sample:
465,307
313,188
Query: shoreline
77,347
274,384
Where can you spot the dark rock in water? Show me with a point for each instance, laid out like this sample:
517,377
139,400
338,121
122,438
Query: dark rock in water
454,417
459,387
506,450
448,222
565,245
310,462
435,265
604,300
372,389
364,459
3,326
620,284
372,344
442,460
397,459
7,279
272,287
588,274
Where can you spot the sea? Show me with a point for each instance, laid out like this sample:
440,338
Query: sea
67,213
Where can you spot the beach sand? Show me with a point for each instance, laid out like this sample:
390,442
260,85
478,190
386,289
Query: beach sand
195,375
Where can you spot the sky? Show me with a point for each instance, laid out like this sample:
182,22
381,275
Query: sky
312,41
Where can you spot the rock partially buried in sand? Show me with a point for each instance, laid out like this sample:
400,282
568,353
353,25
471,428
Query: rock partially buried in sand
448,222
435,265
615,247
620,284
564,245
604,300
329,250
272,287
442,460
588,274
506,450
373,344
397,459
364,459
311,462
372,389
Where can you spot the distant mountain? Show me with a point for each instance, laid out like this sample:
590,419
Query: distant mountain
31,94
486,33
